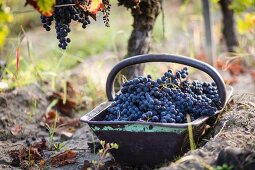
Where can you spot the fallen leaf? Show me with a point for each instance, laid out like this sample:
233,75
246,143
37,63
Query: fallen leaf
41,145
51,115
64,158
220,64
48,118
65,108
231,81
67,99
87,164
201,56
15,130
236,68
42,163
34,154
31,153
25,153
64,124
252,72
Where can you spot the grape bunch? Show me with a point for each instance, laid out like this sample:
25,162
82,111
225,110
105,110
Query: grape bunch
167,100
66,11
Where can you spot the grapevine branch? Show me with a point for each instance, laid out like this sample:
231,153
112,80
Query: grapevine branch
62,13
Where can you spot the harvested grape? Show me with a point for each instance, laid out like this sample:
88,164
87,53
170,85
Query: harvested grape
167,99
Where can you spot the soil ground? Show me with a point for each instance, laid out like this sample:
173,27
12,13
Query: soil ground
235,128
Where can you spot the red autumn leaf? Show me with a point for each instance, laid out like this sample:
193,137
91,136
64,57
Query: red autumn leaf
220,64
86,165
63,158
33,152
17,61
201,56
63,121
51,115
49,118
34,4
67,107
236,68
95,6
41,145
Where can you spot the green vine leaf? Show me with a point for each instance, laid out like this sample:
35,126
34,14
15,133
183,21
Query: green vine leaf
240,6
5,18
45,5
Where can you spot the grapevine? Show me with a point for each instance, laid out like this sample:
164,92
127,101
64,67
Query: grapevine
167,100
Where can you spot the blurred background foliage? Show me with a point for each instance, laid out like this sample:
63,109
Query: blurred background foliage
5,18
40,59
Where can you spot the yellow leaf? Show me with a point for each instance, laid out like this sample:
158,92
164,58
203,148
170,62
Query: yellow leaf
247,23
4,31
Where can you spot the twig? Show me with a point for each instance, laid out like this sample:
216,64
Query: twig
118,115
63,5
224,124
23,11
10,167
74,122
80,149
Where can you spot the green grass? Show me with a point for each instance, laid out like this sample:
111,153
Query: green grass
191,137
223,167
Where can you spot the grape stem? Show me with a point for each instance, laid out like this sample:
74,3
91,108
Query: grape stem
118,115
63,5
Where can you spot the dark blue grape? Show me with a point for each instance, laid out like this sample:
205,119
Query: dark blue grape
166,100
64,15
155,119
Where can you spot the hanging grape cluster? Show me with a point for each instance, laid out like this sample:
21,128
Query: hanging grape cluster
167,100
66,11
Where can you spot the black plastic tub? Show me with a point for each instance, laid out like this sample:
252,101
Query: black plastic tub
148,143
